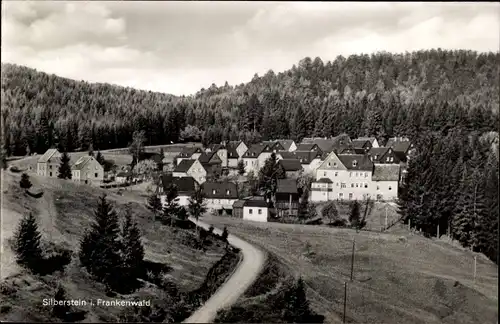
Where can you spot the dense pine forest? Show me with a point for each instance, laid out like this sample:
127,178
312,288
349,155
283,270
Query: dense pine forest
383,94
445,101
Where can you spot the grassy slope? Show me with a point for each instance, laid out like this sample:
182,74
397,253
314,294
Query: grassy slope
64,212
411,281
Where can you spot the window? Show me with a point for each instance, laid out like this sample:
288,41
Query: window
95,175
390,188
51,174
334,164
350,196
324,174
356,174
357,185
341,195
392,159
259,211
366,174
350,174
213,192
329,164
352,185
336,173
366,185
250,211
342,185
246,163
378,188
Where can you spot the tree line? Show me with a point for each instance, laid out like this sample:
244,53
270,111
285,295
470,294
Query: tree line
381,94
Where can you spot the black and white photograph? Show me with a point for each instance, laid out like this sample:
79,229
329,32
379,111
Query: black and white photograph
249,162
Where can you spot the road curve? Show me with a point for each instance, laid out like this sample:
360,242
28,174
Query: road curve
245,274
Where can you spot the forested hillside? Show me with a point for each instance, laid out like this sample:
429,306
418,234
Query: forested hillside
383,94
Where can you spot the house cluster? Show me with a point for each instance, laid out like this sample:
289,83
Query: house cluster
342,169
86,169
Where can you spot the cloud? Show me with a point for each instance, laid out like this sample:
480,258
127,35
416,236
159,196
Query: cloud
180,47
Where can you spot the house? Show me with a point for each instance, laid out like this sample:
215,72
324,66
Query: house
292,167
232,158
221,151
350,175
186,186
189,153
373,140
310,161
287,144
158,159
123,177
255,157
361,146
308,147
256,210
211,162
286,199
331,144
383,155
240,147
274,145
238,205
386,181
191,168
220,196
87,170
48,163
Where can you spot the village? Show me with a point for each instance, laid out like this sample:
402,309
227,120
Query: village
335,169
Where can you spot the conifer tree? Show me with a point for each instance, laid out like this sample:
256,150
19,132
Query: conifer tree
296,308
91,149
60,311
64,171
154,204
100,158
25,182
269,175
171,207
197,204
299,130
132,248
100,246
354,214
241,167
27,242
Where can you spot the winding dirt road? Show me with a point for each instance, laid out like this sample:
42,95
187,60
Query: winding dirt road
245,274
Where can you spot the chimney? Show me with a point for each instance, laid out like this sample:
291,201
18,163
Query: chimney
290,204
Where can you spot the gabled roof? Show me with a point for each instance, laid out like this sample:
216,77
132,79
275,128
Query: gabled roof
187,152
356,162
209,158
328,145
364,138
361,143
286,186
82,161
401,146
124,174
48,155
184,166
307,157
290,165
386,172
185,185
324,180
286,143
274,145
255,150
232,153
234,144
220,190
308,147
255,203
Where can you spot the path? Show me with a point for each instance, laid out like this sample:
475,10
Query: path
246,273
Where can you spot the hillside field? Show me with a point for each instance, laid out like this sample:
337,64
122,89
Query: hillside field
398,278
64,212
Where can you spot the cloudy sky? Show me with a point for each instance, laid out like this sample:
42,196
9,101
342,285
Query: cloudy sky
180,47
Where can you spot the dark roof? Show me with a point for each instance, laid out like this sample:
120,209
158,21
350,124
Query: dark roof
290,164
221,190
232,153
286,143
234,144
157,158
364,138
400,155
208,157
124,174
239,204
347,150
255,150
356,162
255,203
274,145
185,185
48,155
386,172
304,157
327,145
215,147
184,166
401,146
286,186
187,152
307,147
361,143
325,180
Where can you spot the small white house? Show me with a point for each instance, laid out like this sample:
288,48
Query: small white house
256,210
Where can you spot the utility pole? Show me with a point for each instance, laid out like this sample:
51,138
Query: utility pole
352,258
438,231
345,300
475,267
385,217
